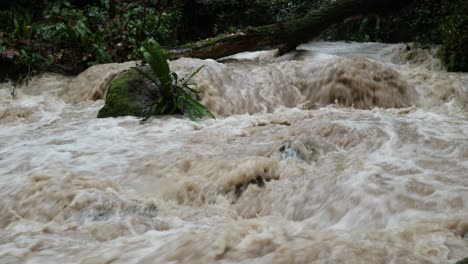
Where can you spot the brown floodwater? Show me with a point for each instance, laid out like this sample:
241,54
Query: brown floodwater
334,153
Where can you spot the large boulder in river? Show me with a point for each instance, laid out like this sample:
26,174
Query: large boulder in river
129,94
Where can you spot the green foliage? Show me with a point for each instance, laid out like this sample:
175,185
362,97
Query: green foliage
463,261
362,30
66,24
441,22
24,31
18,22
454,32
76,34
32,60
73,34
282,10
237,14
176,95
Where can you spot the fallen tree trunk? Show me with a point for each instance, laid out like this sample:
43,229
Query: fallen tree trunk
288,34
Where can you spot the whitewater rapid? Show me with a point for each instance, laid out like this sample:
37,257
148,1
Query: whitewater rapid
334,153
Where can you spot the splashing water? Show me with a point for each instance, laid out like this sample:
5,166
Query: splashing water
334,153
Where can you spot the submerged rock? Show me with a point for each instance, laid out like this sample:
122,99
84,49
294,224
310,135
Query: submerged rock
130,94
241,187
257,171
304,149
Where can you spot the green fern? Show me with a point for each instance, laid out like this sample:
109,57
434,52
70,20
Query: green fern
156,58
194,109
174,97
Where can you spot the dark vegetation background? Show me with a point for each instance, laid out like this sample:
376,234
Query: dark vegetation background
67,36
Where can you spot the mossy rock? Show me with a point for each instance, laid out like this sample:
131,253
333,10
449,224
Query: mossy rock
130,94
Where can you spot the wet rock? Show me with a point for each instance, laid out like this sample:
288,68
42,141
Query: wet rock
105,214
303,149
130,94
254,172
240,188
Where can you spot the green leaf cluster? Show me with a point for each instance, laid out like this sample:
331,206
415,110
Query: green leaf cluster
177,95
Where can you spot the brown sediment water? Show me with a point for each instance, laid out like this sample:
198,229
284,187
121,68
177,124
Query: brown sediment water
334,153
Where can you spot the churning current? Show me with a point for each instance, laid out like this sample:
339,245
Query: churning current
334,153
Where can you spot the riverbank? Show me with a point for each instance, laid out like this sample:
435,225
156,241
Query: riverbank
67,37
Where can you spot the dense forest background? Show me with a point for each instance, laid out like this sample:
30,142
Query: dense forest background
67,36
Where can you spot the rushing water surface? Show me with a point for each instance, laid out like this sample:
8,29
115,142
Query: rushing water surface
334,153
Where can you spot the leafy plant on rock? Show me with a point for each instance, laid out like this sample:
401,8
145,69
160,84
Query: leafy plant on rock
176,95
